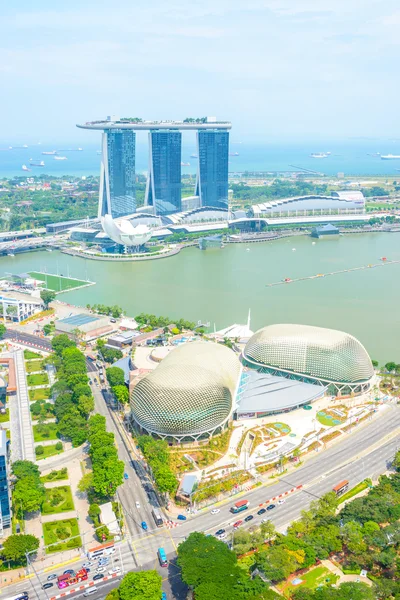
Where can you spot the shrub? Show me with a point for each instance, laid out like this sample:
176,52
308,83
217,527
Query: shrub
39,450
59,446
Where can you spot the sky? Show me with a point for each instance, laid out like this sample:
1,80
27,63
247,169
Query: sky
278,69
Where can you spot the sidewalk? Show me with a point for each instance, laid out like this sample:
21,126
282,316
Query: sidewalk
342,577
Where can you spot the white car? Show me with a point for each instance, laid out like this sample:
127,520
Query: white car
215,511
222,536
137,504
264,520
100,569
114,571
86,564
281,501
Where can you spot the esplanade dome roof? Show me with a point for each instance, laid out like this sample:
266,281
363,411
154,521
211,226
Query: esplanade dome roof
325,354
189,393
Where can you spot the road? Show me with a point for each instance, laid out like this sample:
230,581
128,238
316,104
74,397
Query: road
28,340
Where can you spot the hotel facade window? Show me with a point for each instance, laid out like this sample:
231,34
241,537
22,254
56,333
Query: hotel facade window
212,176
117,176
164,188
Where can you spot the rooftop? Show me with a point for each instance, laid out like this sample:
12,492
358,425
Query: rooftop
78,320
141,125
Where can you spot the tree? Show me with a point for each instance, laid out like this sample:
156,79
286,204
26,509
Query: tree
396,461
115,376
63,404
277,563
203,558
94,510
39,450
73,426
60,342
390,366
144,585
81,390
25,468
58,446
121,393
16,546
113,595
47,329
28,494
85,405
2,330
108,476
375,363
85,483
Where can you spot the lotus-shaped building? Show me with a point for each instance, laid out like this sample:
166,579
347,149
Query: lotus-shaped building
123,232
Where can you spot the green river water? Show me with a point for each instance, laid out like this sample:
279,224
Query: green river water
221,285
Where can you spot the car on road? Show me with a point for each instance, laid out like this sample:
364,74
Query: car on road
69,572
114,571
46,586
282,501
181,518
237,524
222,536
264,520
98,576
126,476
50,577
137,504
103,561
84,566
215,511
220,532
100,569
261,511
249,518
112,320
271,506
92,590
144,525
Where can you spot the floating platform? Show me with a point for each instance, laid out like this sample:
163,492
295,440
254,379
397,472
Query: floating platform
59,283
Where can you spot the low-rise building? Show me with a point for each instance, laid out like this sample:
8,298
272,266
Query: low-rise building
84,325
17,307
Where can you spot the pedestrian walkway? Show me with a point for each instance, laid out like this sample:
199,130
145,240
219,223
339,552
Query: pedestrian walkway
25,433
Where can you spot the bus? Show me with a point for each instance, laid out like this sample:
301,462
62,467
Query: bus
162,557
68,579
157,517
341,488
98,551
239,506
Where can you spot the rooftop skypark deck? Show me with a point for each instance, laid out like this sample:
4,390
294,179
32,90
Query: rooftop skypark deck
191,124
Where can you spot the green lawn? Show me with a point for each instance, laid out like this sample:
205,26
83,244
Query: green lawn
4,417
319,576
329,420
57,499
34,365
42,433
57,535
38,379
49,450
355,490
28,354
55,475
40,394
57,283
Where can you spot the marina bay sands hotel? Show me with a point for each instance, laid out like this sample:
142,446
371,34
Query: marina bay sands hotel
163,190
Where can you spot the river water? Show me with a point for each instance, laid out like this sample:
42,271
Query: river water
221,285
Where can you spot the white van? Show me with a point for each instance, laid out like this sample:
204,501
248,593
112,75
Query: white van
92,590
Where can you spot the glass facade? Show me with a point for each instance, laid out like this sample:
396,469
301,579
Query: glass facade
164,184
212,177
4,489
117,183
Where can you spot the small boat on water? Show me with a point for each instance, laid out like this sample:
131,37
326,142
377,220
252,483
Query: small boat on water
390,157
50,153
287,280
36,163
60,158
383,258
25,168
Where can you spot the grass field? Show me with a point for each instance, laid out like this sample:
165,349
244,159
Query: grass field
57,535
38,379
28,354
43,433
55,475
49,451
34,365
57,283
39,394
57,499
320,576
360,487
4,418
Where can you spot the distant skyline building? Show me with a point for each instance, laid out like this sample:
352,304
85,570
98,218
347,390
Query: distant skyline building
213,163
117,195
164,186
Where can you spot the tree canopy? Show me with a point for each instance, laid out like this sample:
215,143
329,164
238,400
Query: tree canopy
115,376
47,296
15,547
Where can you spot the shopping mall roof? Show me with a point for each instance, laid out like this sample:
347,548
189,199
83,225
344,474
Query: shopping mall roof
260,392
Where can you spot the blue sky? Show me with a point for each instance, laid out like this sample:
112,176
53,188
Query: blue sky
279,69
